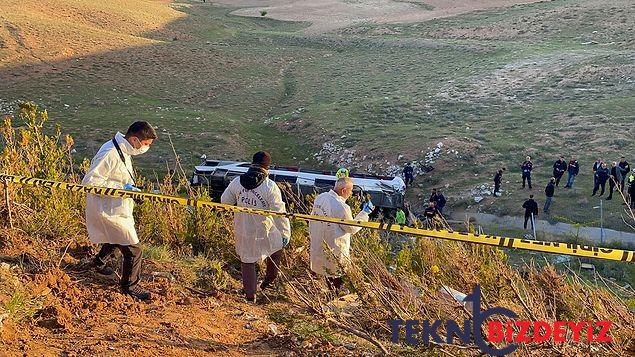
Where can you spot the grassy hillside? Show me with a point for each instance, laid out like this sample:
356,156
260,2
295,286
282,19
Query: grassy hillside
542,79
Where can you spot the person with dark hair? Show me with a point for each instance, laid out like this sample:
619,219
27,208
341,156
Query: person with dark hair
573,169
596,166
438,199
559,167
531,208
549,191
602,175
498,178
623,169
631,189
526,168
258,237
430,215
109,220
408,174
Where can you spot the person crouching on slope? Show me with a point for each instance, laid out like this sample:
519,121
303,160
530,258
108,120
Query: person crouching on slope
258,237
109,219
331,243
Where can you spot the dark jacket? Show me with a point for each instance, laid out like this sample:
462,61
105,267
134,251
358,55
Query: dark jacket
597,165
526,167
530,207
253,178
438,199
602,174
614,172
408,171
559,167
574,167
430,212
498,177
550,189
625,167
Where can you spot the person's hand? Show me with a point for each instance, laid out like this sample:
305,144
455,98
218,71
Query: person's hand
129,187
285,241
368,207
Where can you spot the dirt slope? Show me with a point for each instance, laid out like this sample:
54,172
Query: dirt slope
51,30
329,15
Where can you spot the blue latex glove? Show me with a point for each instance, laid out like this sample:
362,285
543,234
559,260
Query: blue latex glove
129,187
368,207
285,241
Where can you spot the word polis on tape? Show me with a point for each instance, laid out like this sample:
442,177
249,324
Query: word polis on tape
425,332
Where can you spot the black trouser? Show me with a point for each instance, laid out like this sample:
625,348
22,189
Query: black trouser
611,188
131,271
248,271
527,177
528,218
409,180
497,187
558,176
334,283
597,185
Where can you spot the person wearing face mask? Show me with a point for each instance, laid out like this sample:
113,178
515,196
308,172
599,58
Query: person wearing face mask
258,237
331,243
109,220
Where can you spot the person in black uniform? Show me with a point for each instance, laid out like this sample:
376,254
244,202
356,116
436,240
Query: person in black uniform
624,170
596,166
613,180
549,191
526,168
559,167
498,178
531,207
408,174
601,176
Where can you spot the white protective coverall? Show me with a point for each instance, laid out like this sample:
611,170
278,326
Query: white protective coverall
336,237
109,219
257,237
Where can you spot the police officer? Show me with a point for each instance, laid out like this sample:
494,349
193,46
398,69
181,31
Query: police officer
559,167
601,176
526,168
573,169
531,207
498,178
408,174
623,171
549,191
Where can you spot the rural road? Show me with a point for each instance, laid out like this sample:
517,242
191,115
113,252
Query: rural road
559,228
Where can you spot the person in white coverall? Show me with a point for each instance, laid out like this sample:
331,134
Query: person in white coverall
109,219
331,243
258,237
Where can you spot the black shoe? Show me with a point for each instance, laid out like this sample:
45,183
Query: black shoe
609,198
265,284
593,195
101,267
137,292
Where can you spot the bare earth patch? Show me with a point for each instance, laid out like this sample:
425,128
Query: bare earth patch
329,15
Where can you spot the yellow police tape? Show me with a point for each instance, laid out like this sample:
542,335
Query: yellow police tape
504,242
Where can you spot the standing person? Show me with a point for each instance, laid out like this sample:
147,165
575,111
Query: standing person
408,174
613,180
531,207
602,175
559,167
258,237
623,169
498,178
109,220
549,191
573,169
596,166
526,168
429,215
331,243
439,200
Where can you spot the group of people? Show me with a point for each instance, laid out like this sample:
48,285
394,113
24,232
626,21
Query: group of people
619,176
257,237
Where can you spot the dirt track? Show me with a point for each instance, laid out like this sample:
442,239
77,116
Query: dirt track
328,15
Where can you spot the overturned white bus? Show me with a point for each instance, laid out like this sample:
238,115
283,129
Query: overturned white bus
385,192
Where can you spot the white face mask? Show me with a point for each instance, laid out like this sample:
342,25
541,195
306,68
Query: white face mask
141,150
